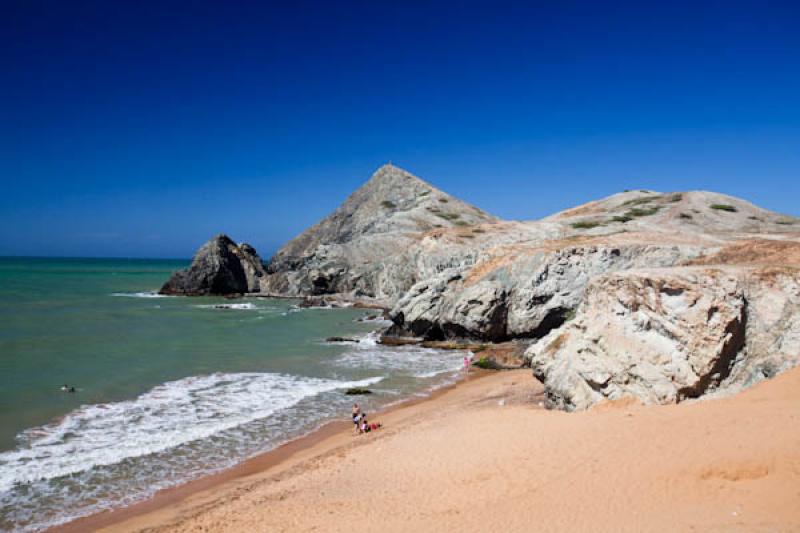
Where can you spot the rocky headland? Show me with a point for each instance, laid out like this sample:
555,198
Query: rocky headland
657,296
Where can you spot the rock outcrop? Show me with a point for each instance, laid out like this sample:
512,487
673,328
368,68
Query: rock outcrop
664,335
220,267
659,296
524,279
528,296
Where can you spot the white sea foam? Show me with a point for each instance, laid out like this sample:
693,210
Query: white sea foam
370,339
414,361
247,306
108,455
167,416
431,374
140,295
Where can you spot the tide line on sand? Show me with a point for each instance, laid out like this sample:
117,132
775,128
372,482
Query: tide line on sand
481,456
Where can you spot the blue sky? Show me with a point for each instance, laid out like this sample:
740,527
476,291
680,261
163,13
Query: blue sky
143,128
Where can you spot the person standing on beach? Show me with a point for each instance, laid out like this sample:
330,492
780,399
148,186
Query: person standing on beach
466,363
356,415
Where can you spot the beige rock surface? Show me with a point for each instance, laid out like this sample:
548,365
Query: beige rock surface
664,335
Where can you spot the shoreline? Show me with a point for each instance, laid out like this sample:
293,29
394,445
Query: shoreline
482,456
322,440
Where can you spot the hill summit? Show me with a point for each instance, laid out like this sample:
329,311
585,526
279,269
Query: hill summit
347,251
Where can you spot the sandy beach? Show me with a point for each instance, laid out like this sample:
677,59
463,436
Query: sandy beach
484,456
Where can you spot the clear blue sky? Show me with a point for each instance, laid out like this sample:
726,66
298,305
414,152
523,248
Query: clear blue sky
142,128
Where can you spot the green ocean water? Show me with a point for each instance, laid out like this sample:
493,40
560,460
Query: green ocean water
168,388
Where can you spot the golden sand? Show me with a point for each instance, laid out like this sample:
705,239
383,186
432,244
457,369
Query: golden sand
483,456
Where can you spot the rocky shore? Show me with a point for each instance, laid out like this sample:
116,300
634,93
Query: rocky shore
657,296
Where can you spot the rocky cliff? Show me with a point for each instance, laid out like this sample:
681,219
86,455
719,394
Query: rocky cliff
664,335
661,296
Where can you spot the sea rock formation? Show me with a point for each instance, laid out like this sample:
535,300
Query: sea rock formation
220,267
659,296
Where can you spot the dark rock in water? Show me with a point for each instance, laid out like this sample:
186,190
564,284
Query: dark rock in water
389,340
327,302
220,267
357,391
340,339
311,302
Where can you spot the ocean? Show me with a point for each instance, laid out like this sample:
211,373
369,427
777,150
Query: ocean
167,388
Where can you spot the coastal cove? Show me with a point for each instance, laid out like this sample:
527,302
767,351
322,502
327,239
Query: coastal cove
168,388
418,267
483,455
331,438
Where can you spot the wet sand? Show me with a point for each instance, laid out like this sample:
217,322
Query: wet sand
484,456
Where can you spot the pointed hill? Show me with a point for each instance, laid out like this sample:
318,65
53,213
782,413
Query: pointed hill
350,249
393,200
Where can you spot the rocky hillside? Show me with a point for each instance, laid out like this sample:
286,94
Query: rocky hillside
661,296
526,278
360,249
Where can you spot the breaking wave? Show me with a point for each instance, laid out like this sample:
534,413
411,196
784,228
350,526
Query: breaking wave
140,295
172,427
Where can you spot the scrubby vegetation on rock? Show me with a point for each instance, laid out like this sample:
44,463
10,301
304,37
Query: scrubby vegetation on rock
621,218
642,211
585,224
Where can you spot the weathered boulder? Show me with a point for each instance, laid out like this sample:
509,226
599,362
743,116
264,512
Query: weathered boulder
252,265
477,311
220,267
664,335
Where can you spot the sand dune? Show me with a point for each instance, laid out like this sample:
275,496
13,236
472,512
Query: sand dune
484,457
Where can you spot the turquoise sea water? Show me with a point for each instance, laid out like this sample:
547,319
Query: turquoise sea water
168,388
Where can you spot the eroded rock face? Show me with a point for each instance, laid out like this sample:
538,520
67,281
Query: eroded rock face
528,297
432,311
773,325
220,267
664,335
